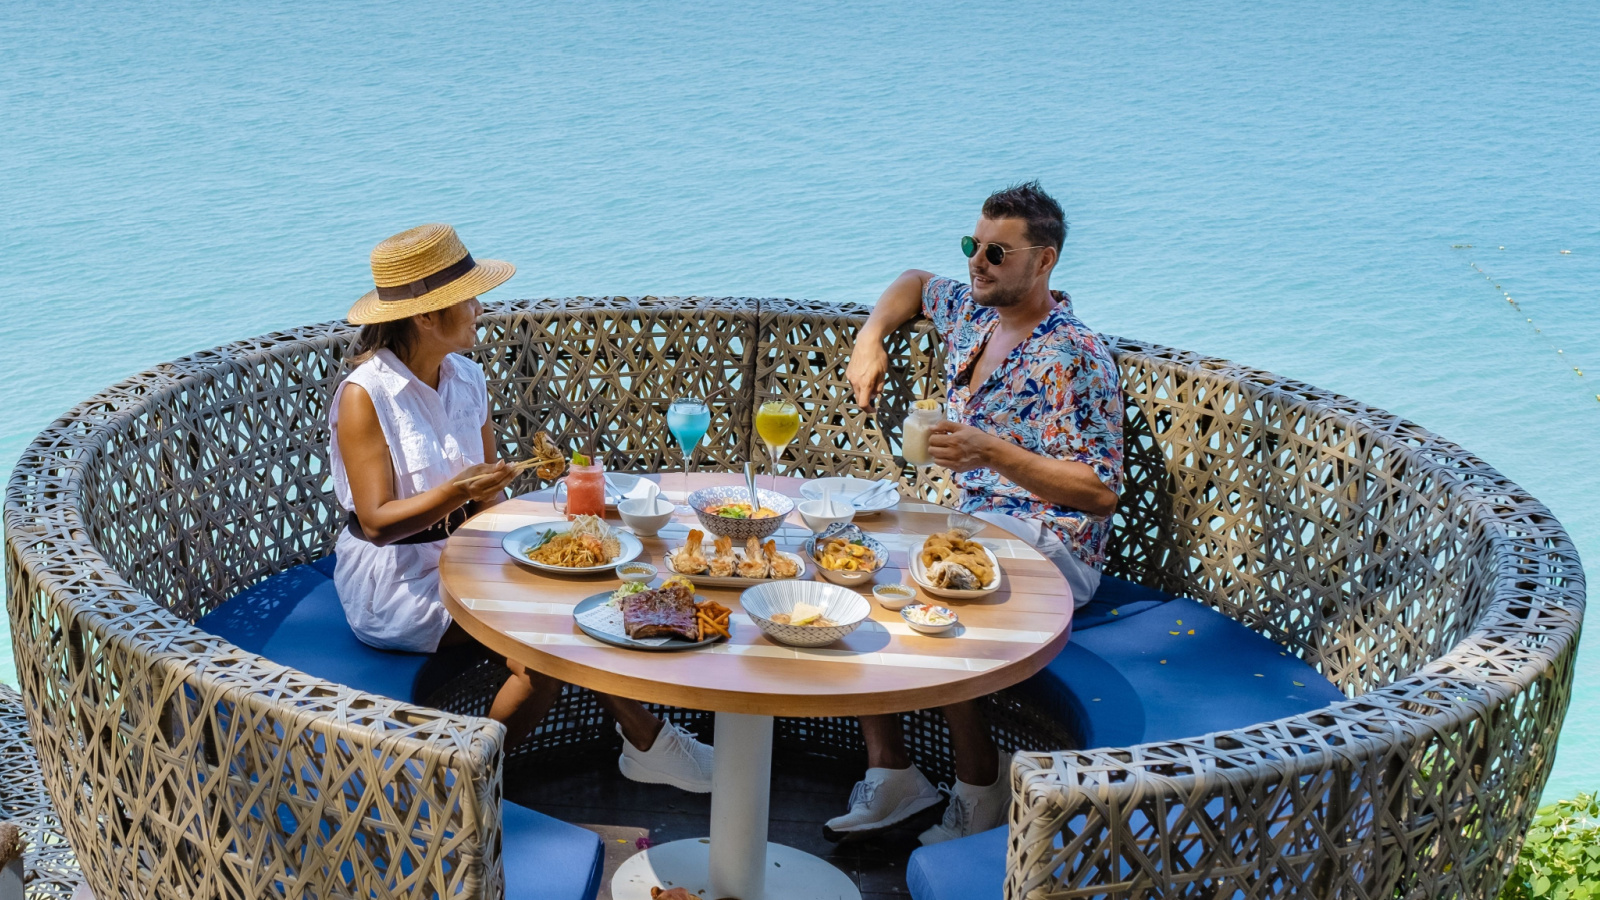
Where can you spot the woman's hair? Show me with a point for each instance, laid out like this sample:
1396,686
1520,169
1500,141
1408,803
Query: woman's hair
395,336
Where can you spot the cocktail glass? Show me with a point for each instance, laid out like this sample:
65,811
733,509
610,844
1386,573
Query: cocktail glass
688,418
777,422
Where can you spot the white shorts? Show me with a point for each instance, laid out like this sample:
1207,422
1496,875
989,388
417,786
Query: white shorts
1081,577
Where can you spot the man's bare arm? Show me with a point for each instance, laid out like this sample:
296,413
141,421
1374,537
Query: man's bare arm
899,304
1063,482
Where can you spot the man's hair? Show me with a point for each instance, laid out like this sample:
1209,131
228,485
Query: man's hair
1047,227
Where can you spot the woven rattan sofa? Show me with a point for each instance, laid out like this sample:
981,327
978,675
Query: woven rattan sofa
1438,596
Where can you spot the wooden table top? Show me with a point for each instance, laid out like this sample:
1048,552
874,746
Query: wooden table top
881,667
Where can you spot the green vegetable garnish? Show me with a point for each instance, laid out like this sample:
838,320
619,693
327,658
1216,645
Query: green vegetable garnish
734,513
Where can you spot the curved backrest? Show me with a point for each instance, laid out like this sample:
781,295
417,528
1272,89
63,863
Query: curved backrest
1398,565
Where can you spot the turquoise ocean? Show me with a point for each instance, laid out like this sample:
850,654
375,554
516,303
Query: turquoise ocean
1301,187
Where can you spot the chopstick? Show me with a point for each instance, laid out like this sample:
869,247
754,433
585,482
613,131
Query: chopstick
520,466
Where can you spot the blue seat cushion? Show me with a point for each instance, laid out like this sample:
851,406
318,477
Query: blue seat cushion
294,618
969,868
1173,670
974,867
1116,599
547,859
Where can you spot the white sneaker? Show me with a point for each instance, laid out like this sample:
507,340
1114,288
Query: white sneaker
676,758
883,798
972,809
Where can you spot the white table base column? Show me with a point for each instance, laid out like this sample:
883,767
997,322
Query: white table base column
741,790
736,862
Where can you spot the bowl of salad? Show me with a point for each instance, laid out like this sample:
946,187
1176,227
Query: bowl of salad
726,512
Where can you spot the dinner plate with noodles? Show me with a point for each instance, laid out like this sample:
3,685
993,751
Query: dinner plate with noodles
586,544
952,566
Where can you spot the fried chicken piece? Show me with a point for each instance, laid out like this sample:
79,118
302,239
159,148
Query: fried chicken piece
754,564
722,564
782,566
689,559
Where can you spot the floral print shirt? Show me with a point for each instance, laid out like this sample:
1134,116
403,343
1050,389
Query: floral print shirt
1057,394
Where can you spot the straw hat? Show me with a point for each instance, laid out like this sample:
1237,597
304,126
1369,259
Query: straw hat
421,270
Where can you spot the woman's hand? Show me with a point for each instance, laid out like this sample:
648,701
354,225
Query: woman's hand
484,481
958,447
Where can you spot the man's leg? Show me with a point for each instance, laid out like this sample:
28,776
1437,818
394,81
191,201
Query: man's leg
893,789
886,742
977,759
981,797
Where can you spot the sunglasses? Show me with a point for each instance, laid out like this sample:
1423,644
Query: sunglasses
994,253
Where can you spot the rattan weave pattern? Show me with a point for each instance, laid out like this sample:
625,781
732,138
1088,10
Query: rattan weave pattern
50,871
1439,596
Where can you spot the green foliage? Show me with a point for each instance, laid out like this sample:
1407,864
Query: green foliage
1561,856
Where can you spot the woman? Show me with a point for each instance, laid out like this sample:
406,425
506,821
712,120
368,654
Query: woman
413,455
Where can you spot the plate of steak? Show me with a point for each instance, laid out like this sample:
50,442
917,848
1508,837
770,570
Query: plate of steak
659,619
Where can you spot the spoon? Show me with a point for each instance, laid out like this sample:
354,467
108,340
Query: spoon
750,485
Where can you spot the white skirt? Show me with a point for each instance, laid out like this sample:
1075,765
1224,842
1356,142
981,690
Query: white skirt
390,594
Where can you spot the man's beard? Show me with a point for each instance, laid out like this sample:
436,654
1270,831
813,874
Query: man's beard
997,296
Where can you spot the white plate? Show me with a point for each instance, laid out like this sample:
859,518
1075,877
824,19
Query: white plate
919,574
734,581
518,542
846,488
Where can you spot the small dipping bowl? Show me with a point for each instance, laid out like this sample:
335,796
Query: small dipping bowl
645,516
818,517
640,572
908,611
894,596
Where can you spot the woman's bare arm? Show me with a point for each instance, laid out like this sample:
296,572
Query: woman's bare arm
370,472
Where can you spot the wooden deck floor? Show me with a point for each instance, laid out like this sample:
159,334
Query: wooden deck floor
805,793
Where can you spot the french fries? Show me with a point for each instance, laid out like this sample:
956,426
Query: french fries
713,618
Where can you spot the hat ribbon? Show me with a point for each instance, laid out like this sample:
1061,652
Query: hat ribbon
427,283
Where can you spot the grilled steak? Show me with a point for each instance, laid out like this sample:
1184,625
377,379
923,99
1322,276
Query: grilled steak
666,612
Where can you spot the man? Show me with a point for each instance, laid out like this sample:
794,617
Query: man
1035,442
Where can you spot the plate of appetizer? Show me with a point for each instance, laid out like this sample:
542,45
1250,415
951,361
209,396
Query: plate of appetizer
846,555
953,566
586,544
719,564
665,618
869,497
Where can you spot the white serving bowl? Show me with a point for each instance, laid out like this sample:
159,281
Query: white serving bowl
841,605
641,572
894,596
905,613
819,518
645,516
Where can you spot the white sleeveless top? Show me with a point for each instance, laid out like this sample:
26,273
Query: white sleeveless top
391,594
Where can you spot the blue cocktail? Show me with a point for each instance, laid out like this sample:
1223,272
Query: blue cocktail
687,419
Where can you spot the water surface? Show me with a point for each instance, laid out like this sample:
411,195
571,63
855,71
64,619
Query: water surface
1272,183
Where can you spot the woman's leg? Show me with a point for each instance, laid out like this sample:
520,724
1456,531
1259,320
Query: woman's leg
639,725
523,701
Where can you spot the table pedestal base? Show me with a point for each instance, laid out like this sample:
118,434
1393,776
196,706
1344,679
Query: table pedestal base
790,874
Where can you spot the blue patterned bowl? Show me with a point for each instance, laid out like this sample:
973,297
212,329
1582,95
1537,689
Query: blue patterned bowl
846,607
740,530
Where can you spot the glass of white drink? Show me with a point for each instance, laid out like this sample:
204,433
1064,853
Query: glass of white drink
914,437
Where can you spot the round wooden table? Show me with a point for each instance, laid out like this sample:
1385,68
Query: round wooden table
881,667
